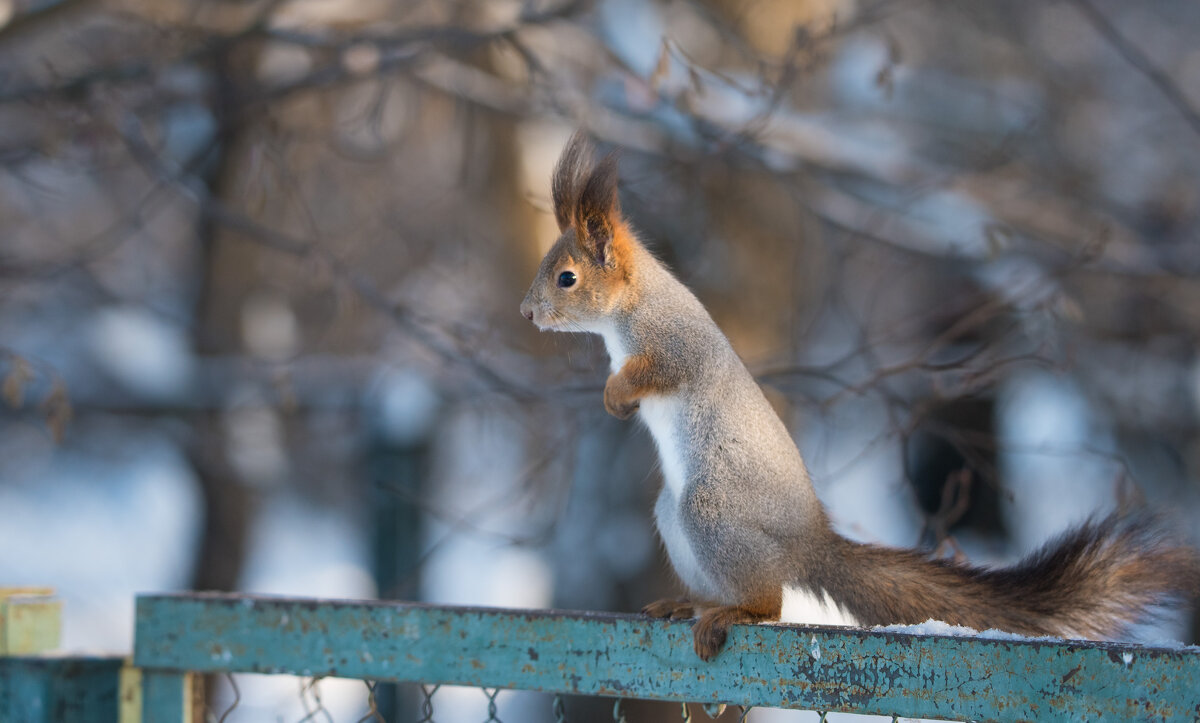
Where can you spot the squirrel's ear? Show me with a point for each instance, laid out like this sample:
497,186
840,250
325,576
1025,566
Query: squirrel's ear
569,175
598,211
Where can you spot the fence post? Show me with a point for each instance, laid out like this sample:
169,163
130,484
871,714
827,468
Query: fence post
37,688
129,682
398,449
169,697
56,689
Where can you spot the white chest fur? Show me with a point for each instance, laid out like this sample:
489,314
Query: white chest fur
660,414
663,417
617,354
687,565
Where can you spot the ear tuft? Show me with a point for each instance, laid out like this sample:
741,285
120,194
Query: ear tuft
570,175
598,210
585,196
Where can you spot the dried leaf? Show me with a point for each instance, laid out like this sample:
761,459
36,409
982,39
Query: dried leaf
18,376
662,68
1068,308
998,238
895,57
885,81
697,81
56,408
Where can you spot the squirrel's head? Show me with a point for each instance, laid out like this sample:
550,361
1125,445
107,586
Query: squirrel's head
584,275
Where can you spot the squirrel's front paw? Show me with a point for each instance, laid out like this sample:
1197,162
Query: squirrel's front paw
617,400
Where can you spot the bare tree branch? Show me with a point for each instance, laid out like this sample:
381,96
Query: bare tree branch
1139,60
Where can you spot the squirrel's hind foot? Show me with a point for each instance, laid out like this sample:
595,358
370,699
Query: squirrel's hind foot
712,628
675,609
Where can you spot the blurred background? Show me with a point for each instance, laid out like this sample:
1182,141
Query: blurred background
261,261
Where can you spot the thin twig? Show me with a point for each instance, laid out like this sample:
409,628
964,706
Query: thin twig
1140,61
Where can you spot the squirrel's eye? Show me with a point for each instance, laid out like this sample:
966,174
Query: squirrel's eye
565,279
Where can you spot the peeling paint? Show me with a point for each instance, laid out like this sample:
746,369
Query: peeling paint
841,669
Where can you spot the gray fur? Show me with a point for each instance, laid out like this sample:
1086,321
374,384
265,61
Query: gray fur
747,498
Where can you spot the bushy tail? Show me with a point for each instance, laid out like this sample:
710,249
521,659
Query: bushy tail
1096,581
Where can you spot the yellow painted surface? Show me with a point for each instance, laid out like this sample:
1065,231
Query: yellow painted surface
130,705
30,620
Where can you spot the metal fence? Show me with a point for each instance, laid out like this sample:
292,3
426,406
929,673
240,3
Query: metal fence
180,639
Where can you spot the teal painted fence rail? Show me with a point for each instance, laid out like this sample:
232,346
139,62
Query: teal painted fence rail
812,668
72,690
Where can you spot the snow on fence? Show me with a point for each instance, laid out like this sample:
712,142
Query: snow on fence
179,638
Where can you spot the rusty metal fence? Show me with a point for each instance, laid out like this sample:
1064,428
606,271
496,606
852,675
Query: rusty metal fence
183,640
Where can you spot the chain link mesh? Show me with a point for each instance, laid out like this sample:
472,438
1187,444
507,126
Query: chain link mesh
491,709
315,709
427,703
237,698
372,713
310,692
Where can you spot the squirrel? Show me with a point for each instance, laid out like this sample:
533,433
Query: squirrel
740,520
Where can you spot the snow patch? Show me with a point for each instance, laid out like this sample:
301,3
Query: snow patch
1166,644
142,351
937,627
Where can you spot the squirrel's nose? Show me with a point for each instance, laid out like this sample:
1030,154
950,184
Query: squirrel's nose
527,310
528,314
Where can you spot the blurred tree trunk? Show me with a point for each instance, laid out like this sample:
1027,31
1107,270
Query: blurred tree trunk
227,500
228,510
